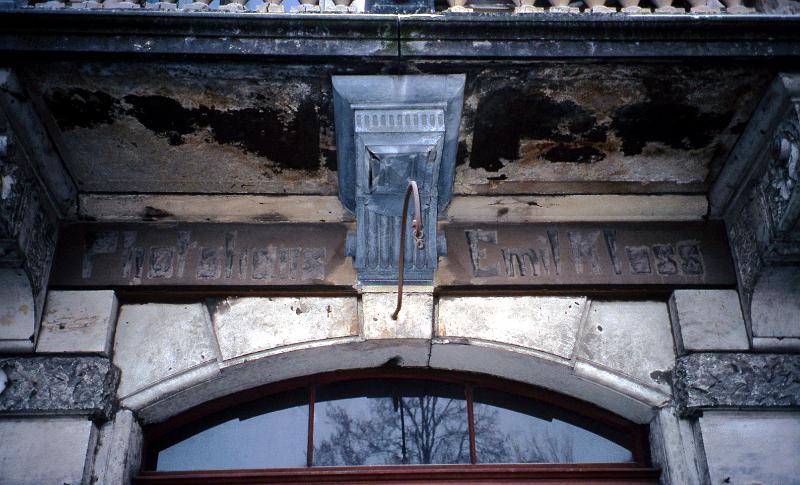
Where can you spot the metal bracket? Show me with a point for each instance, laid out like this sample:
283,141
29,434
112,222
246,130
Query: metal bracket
389,130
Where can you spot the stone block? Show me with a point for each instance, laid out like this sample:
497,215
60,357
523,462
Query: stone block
630,339
705,380
775,310
58,385
78,321
17,315
232,7
706,9
564,9
751,447
544,324
674,449
305,8
156,341
45,451
269,8
195,7
669,10
414,321
528,9
246,326
707,320
161,6
119,449
776,344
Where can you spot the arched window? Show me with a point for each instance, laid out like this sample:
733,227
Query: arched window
396,425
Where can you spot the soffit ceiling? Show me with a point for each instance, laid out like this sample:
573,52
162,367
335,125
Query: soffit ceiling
166,127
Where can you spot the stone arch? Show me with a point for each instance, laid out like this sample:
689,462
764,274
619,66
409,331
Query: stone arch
470,349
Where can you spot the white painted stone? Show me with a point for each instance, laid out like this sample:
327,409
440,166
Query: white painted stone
775,344
707,320
45,451
775,309
414,321
631,339
78,321
156,341
545,324
297,361
521,365
248,325
119,450
752,447
674,450
17,311
621,383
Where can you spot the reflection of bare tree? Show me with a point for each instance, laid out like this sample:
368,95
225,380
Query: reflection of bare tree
544,447
431,429
424,429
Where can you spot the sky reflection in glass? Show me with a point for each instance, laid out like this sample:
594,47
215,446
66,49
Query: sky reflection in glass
270,433
514,429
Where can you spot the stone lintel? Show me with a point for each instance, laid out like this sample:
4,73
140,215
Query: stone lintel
58,386
479,36
736,380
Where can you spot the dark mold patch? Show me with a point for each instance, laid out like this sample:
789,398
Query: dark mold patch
569,154
270,217
163,115
506,116
292,145
679,126
329,156
81,108
662,376
502,176
462,153
154,214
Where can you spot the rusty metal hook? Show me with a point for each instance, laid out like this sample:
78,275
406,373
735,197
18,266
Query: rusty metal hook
418,235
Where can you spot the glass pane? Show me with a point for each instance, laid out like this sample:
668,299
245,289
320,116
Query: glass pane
270,432
515,429
386,422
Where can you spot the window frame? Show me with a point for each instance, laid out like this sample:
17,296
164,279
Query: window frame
638,471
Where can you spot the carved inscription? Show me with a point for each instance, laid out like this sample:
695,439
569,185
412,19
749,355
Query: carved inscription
202,255
668,253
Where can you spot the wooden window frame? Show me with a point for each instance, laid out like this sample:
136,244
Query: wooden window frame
639,471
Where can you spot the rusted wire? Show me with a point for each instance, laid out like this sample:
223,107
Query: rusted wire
416,226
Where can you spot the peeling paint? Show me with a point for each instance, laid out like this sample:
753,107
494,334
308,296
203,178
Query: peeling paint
268,129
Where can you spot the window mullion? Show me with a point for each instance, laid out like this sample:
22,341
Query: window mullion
310,446
473,454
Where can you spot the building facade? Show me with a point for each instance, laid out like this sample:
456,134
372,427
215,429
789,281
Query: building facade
201,213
